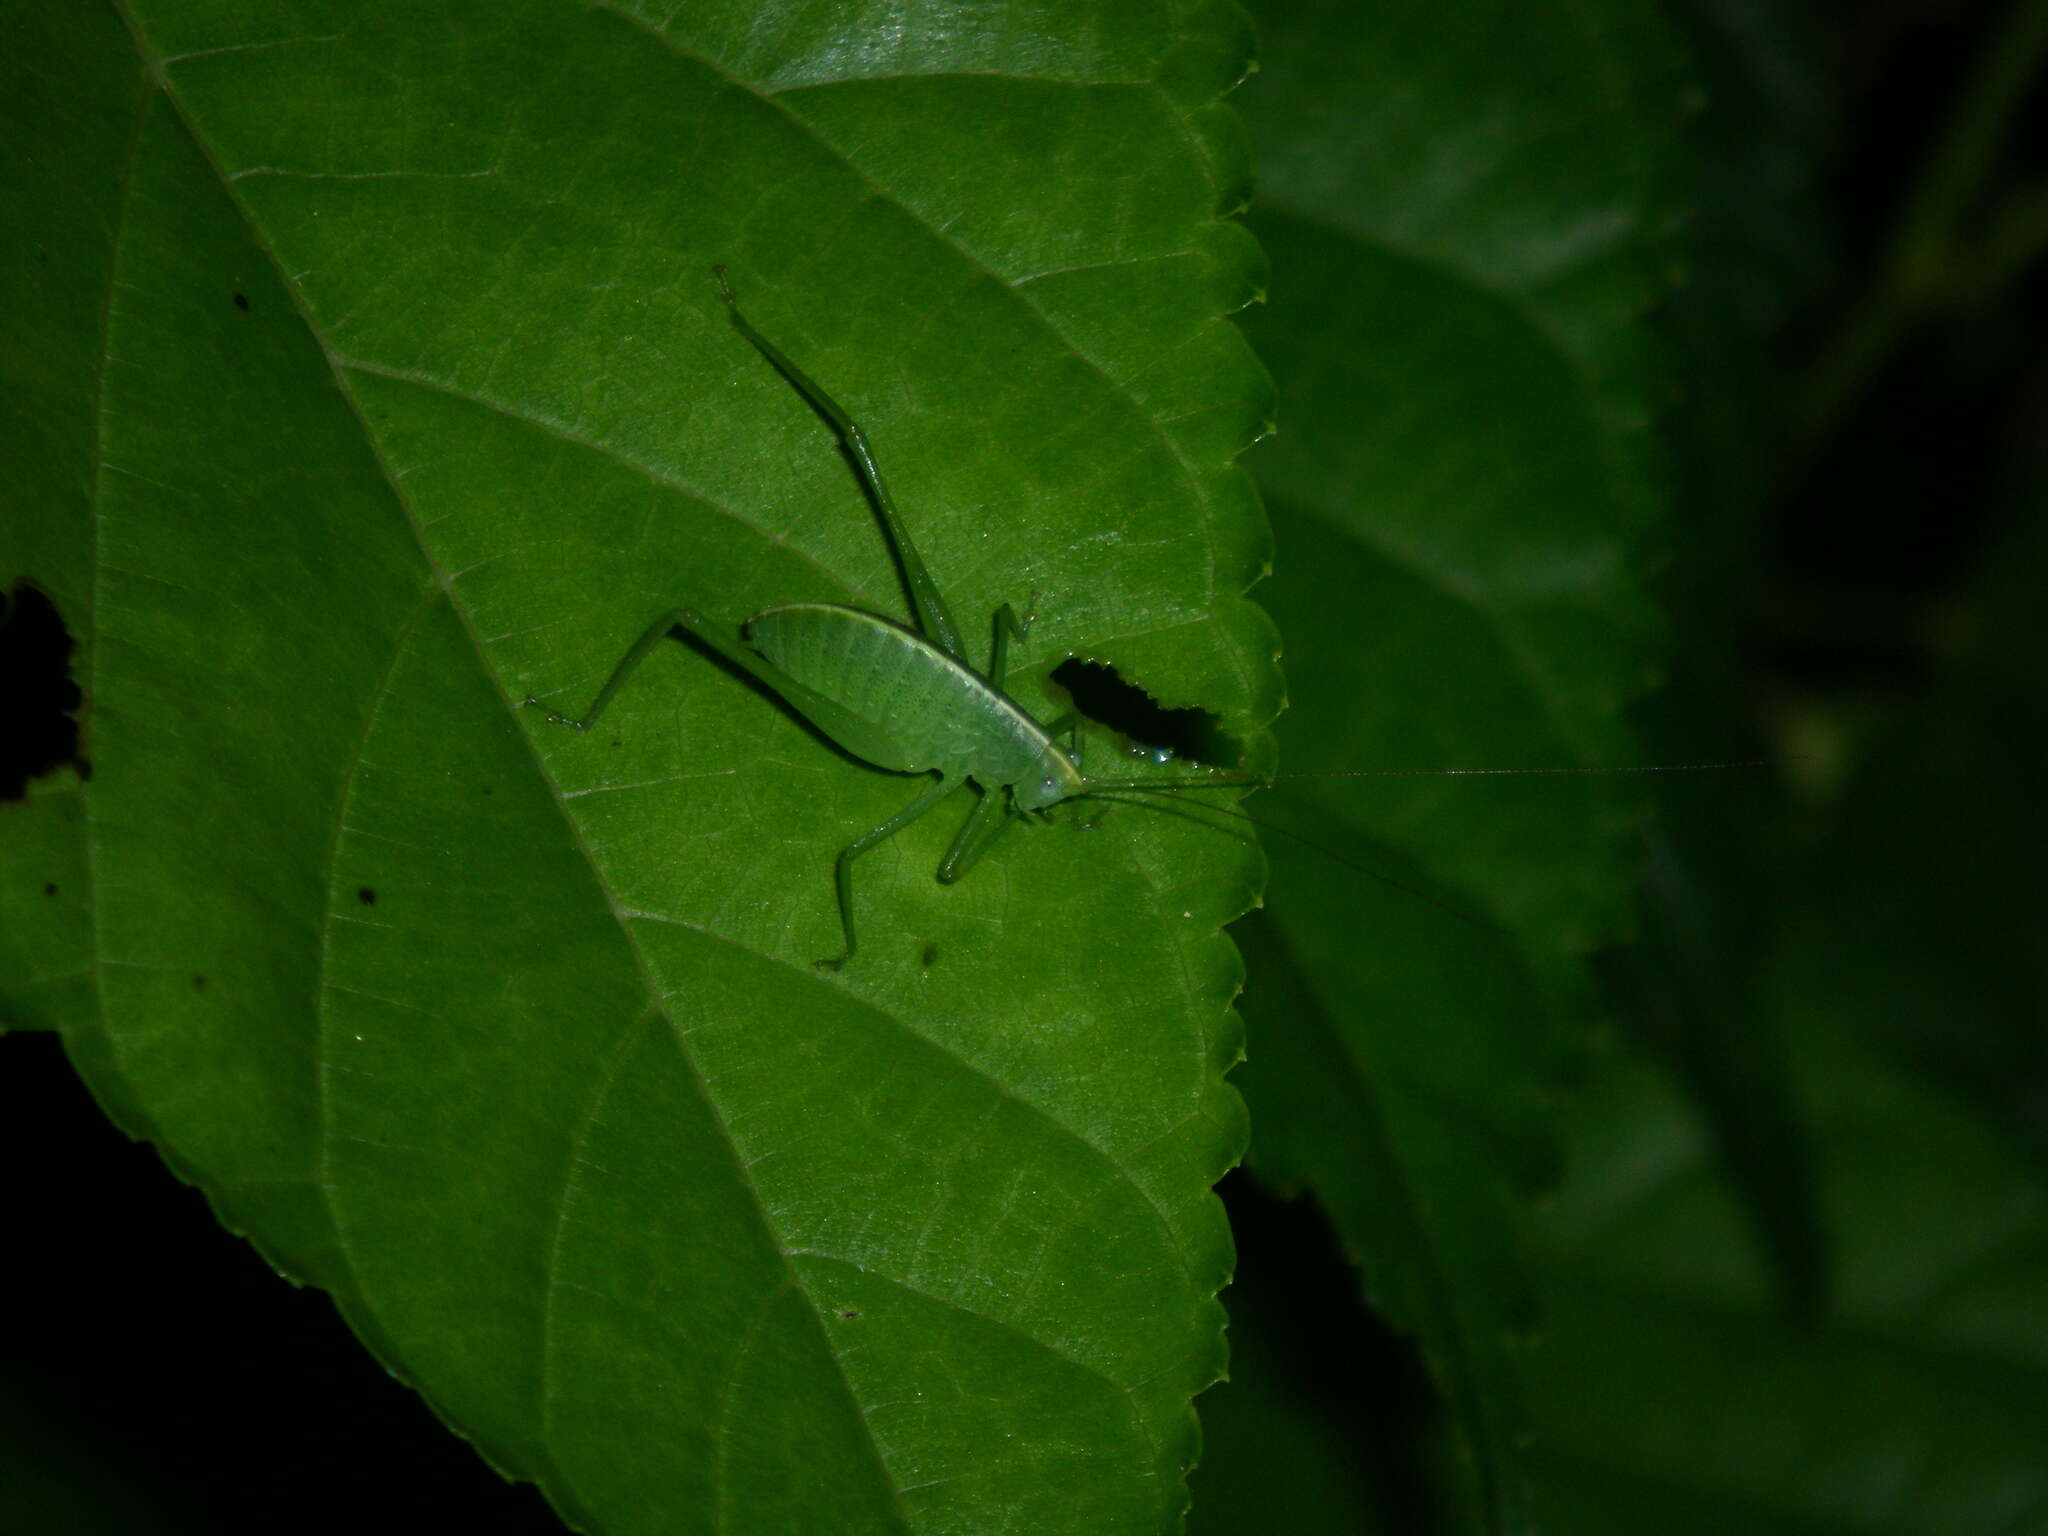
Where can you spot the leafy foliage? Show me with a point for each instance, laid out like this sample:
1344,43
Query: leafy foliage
1785,1287
367,377
396,389
1675,1389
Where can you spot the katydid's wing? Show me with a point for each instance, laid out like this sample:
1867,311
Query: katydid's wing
866,737
891,688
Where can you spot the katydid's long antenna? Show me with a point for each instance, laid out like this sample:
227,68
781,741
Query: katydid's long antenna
1195,810
1227,780
1452,773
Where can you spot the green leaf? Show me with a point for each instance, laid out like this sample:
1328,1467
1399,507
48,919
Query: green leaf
1465,215
413,396
68,81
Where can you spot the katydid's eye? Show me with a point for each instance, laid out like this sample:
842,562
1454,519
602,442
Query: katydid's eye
1047,781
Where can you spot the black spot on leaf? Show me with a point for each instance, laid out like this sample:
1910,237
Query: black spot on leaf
41,701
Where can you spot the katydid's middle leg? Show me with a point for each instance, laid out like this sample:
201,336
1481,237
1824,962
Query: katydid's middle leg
976,836
842,869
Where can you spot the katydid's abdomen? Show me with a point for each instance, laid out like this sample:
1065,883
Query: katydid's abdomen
918,709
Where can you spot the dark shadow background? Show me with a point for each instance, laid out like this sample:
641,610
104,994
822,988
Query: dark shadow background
157,1377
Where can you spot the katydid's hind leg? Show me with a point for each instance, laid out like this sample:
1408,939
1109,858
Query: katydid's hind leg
730,650
842,869
641,649
727,649
934,619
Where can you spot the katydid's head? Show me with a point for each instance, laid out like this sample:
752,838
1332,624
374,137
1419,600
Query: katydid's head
1054,778
1036,794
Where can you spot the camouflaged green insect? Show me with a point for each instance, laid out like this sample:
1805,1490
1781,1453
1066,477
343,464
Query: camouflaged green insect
907,700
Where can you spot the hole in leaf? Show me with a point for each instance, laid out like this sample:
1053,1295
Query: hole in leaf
1101,695
35,658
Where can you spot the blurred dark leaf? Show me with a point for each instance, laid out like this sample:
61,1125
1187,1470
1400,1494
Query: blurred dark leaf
1674,1396
1755,250
1916,905
1466,213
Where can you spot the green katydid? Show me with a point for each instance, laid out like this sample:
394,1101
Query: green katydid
906,700
909,700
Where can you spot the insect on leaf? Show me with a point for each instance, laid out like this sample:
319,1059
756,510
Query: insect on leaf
418,398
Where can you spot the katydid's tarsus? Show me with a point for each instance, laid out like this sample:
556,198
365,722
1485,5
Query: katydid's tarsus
907,700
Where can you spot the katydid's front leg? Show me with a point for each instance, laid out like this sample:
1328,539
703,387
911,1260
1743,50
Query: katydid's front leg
842,870
1007,624
1069,726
